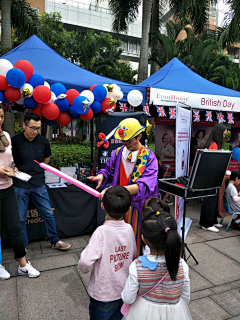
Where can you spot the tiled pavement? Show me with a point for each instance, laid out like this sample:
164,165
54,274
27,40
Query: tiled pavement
61,290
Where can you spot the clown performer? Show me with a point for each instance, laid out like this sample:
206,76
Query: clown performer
134,167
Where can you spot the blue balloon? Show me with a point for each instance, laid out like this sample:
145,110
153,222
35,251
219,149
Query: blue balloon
4,99
36,80
238,157
78,105
96,106
51,122
30,103
73,113
58,88
2,96
235,152
16,78
62,104
100,92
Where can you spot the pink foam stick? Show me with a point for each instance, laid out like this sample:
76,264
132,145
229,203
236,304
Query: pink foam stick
74,181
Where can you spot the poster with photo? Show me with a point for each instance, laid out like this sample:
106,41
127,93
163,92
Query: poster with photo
235,137
165,142
201,135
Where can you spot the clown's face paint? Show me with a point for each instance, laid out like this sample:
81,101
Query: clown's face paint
133,144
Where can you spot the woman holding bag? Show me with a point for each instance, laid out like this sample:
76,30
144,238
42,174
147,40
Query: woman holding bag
9,216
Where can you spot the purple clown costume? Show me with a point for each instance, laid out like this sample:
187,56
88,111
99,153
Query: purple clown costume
144,174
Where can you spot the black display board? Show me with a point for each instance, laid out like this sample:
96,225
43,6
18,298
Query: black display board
106,123
209,169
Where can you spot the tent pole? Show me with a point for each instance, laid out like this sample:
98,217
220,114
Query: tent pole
91,133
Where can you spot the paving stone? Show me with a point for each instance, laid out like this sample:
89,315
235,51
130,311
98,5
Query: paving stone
229,300
193,238
227,246
213,265
226,287
8,299
56,294
208,235
85,278
49,263
201,294
197,282
76,243
207,309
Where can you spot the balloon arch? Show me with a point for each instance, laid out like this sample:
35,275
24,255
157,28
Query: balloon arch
21,85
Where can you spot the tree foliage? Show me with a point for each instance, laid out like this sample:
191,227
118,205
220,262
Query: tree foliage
99,53
203,54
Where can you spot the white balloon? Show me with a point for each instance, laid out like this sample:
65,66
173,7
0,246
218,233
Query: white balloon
5,66
88,94
27,86
112,95
119,95
46,84
20,101
53,97
116,87
135,98
105,85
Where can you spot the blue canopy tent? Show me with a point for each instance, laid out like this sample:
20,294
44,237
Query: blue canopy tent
54,68
175,82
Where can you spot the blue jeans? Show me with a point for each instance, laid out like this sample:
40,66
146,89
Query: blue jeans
99,310
41,201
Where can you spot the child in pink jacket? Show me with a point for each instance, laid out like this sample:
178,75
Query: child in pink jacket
108,256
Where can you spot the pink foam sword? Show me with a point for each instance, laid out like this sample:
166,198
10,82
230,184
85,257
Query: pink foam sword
74,181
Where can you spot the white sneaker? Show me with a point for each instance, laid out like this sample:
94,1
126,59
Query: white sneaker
4,275
213,229
218,225
28,271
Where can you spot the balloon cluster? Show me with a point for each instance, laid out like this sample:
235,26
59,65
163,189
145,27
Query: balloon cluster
20,84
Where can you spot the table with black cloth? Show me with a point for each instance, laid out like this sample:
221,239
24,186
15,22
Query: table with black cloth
76,213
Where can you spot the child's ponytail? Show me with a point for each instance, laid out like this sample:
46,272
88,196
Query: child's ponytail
172,252
159,228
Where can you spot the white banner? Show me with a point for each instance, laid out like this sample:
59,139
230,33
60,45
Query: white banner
183,136
195,100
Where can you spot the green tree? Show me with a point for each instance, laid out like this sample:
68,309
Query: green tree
53,33
203,54
17,15
101,54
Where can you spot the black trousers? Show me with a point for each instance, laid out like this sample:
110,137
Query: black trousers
10,221
209,212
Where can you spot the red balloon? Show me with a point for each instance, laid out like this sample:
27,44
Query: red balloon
38,110
42,94
26,67
106,106
3,83
71,95
12,94
50,111
64,119
94,85
87,116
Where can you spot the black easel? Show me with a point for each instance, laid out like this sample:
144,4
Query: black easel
184,244
206,177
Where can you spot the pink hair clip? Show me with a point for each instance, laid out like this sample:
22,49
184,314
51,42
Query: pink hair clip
167,229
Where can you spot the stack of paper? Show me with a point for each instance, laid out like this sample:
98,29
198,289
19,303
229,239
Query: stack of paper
51,178
70,171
